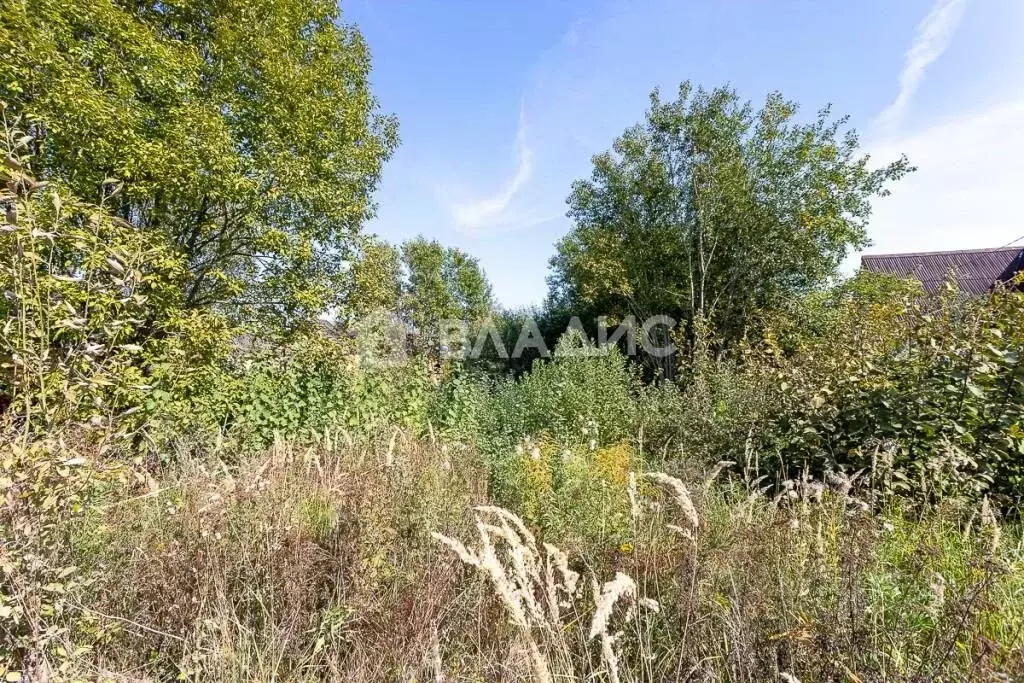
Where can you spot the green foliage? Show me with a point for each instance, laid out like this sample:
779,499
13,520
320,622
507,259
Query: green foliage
96,331
93,322
242,132
397,396
205,163
712,210
460,404
313,386
424,289
924,393
920,380
583,395
707,414
581,400
867,300
531,325
444,284
293,390
376,279
719,403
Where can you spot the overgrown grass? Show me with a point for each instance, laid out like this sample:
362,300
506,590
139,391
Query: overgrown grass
323,563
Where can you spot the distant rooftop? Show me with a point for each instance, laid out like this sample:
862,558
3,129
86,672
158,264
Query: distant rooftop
974,270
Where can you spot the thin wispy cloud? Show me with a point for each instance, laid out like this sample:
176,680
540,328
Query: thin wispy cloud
496,210
934,35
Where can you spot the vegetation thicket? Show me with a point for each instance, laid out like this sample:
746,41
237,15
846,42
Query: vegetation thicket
236,442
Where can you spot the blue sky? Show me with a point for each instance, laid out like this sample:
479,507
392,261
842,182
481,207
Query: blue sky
501,104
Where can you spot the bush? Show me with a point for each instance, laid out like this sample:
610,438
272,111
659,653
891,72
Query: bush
871,375
708,414
313,384
583,395
93,322
913,378
461,404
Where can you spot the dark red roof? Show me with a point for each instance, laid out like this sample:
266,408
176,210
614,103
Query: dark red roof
974,270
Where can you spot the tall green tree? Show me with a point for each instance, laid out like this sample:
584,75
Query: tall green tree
443,284
710,210
242,131
376,283
423,283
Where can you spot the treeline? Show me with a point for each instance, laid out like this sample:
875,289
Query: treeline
186,189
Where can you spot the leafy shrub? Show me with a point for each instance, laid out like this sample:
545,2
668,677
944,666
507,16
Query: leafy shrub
92,315
926,392
460,404
707,414
913,377
583,395
313,383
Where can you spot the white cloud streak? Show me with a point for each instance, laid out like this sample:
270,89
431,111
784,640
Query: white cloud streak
482,213
934,35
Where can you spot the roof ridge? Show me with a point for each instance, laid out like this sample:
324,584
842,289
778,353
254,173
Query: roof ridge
911,254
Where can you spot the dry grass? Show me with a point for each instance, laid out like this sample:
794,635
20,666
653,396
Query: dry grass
305,564
387,561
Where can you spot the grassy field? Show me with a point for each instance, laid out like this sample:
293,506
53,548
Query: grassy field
387,560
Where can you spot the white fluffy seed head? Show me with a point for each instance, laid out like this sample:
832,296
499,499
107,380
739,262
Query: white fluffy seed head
650,604
713,475
516,579
634,499
611,659
620,586
990,524
680,494
456,546
506,516
561,562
